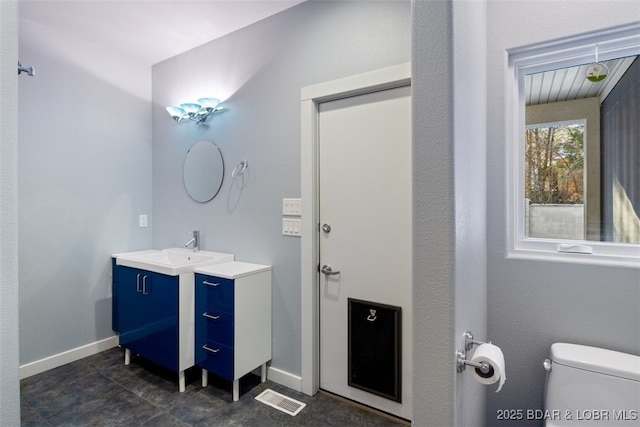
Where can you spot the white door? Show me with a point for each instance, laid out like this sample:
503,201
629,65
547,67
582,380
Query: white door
365,228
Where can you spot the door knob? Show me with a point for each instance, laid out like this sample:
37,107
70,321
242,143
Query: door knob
326,269
326,228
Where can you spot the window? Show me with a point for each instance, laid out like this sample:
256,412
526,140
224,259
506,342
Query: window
573,166
554,180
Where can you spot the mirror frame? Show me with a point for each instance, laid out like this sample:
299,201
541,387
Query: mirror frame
197,171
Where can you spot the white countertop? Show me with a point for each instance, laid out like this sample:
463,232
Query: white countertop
124,254
233,269
171,261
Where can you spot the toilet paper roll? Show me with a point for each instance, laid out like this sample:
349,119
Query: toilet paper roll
492,355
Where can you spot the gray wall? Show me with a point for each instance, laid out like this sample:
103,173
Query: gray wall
449,195
532,304
469,57
555,221
84,175
259,72
9,386
433,215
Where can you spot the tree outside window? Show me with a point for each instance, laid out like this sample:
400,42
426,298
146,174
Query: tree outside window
554,163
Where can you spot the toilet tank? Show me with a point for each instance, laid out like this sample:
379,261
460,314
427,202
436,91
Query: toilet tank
590,386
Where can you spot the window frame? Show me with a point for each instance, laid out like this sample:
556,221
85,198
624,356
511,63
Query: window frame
612,43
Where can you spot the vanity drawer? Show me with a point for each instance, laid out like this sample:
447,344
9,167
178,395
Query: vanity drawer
214,325
214,292
215,358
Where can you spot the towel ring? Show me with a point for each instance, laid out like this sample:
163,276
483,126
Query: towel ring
240,168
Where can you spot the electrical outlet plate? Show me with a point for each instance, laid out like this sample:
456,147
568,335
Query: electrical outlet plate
291,226
142,220
292,206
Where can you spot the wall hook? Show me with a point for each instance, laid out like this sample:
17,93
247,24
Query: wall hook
240,168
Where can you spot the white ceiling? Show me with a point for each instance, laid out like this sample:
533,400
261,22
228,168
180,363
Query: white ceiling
149,30
571,83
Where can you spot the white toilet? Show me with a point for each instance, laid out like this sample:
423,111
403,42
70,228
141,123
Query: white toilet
589,386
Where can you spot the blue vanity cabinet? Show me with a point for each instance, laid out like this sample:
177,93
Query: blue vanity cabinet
145,314
233,320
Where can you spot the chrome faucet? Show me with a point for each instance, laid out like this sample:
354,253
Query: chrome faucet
194,242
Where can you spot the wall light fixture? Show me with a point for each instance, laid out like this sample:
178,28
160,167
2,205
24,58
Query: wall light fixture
198,112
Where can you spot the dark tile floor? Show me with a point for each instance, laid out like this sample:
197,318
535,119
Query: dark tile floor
101,391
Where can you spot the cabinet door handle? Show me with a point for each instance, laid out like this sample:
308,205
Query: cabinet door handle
210,316
211,350
144,285
215,285
138,283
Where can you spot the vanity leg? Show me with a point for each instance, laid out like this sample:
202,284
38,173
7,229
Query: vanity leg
181,381
263,372
205,378
127,356
236,390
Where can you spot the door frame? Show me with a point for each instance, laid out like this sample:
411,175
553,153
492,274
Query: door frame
311,97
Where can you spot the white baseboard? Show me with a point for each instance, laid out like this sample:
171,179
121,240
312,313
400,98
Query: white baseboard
284,378
276,375
68,356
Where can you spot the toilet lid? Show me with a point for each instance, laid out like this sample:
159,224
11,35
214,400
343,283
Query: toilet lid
598,360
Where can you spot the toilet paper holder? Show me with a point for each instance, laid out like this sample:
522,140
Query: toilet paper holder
462,362
461,355
469,341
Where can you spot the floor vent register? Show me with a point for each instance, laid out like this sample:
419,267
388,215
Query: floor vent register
281,402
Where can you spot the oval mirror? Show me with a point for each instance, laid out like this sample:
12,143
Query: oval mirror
203,171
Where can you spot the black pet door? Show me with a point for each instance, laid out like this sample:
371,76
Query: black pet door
374,348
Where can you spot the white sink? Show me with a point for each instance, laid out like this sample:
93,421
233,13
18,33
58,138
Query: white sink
172,261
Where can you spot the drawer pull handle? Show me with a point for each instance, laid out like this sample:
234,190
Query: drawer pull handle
211,284
211,350
210,316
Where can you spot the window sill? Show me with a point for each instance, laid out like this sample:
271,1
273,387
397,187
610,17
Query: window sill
604,254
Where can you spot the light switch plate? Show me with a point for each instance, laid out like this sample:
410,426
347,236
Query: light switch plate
292,206
291,226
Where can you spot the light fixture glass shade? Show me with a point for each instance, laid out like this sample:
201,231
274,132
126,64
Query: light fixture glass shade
190,108
197,112
209,103
177,113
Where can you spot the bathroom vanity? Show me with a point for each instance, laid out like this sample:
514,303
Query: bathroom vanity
233,320
146,314
153,304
